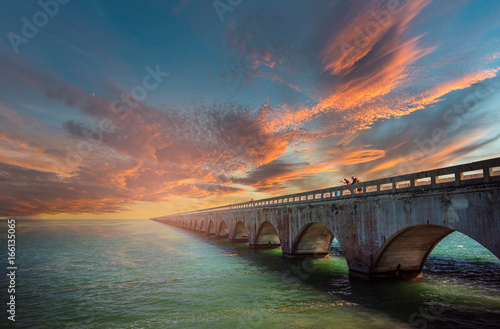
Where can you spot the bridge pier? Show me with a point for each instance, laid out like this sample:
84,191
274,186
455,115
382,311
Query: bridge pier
265,236
238,240
269,245
396,274
307,256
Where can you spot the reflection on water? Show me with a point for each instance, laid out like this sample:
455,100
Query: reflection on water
143,274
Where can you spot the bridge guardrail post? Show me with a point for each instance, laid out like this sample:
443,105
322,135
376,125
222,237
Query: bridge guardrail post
486,173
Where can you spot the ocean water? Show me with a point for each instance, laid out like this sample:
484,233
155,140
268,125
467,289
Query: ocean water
144,274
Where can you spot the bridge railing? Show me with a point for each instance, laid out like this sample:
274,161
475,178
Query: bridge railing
476,173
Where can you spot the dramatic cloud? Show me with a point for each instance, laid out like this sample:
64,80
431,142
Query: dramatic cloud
275,99
456,130
30,192
143,153
360,156
277,175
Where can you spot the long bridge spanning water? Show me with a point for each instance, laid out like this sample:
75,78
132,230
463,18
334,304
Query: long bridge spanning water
386,228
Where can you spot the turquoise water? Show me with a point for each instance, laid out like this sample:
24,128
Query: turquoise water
144,274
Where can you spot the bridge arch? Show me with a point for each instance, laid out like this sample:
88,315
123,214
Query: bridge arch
405,253
313,239
203,226
267,236
222,232
240,233
195,225
211,228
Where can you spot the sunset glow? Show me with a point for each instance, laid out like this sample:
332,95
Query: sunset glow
140,109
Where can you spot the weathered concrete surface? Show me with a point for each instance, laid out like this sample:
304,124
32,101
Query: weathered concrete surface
381,235
266,237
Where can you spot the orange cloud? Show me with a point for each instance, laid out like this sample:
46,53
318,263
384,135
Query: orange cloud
276,176
388,164
372,65
31,143
441,155
375,67
366,89
434,95
343,50
360,156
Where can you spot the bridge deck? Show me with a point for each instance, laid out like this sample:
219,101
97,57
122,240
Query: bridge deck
476,173
386,229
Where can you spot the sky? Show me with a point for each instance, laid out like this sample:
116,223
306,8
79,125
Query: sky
138,109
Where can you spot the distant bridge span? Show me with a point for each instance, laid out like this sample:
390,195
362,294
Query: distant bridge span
386,230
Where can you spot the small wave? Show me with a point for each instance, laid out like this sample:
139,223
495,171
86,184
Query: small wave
341,303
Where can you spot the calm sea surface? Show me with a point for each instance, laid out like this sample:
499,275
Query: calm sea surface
143,274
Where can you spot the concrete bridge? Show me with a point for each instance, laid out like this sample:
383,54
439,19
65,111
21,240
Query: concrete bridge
386,228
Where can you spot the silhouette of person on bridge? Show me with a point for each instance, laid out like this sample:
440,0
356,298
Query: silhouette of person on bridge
356,180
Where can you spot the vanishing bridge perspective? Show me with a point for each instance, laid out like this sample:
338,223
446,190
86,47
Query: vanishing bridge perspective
386,228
